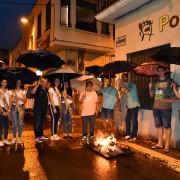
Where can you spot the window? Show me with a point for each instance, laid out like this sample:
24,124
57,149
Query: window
85,15
105,28
65,13
143,81
39,26
48,15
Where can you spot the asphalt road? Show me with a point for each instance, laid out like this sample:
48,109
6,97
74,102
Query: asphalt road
68,160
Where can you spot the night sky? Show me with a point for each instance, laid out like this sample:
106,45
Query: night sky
10,13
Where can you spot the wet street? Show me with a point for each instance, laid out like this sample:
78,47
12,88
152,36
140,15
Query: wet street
67,159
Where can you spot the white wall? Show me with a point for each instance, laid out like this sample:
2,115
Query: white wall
129,26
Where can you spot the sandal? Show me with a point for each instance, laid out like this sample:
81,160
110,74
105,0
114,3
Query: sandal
157,147
167,150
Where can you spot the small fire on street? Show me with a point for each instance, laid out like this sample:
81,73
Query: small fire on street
108,147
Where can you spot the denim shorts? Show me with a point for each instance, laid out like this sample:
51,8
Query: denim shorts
107,113
162,117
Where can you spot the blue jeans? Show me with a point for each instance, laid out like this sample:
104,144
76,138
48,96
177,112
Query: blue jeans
131,117
162,118
88,120
17,116
66,120
4,123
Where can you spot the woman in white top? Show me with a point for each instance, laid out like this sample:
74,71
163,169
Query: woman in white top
18,100
55,102
4,111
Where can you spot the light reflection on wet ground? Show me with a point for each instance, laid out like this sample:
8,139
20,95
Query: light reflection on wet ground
68,160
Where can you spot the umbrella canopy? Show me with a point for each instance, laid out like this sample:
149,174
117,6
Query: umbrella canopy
65,73
117,67
107,76
150,68
11,74
80,83
40,59
170,55
96,70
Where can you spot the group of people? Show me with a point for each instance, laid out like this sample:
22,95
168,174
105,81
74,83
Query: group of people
59,101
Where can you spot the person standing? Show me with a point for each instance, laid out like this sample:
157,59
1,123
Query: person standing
5,95
18,100
88,99
54,106
132,104
162,92
110,98
176,92
67,110
40,108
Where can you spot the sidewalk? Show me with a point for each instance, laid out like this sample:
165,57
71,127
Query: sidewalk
170,160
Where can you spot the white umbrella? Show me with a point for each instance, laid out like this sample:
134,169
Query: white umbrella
65,72
80,83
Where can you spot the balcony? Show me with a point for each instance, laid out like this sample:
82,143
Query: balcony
115,9
103,4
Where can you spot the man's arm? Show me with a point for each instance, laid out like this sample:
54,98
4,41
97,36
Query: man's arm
33,91
151,92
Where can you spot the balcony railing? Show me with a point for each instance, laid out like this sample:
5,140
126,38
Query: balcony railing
103,4
87,26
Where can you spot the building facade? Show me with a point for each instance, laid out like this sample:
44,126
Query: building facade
141,29
68,28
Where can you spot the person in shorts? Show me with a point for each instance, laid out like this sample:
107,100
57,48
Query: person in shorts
162,92
110,97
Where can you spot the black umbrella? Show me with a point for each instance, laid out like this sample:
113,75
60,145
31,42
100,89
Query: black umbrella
170,55
40,59
96,70
118,67
12,74
107,76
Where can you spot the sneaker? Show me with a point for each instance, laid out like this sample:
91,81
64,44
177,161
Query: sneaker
20,141
70,136
84,138
52,138
56,137
127,137
6,142
14,141
1,144
134,139
44,138
39,140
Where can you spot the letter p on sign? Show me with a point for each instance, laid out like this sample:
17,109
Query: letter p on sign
163,21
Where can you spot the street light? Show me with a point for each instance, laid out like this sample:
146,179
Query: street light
24,20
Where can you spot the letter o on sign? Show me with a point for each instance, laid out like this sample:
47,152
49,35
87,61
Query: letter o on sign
174,21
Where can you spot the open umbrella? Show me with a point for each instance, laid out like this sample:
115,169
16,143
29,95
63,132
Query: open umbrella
170,55
40,59
11,74
150,68
117,67
96,70
79,83
65,73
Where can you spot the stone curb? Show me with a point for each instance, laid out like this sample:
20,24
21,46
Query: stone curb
164,159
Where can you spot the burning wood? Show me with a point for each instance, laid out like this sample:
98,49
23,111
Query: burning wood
107,147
